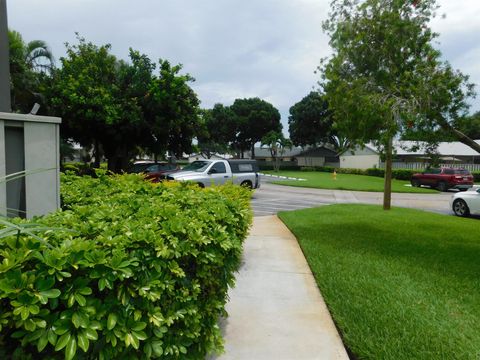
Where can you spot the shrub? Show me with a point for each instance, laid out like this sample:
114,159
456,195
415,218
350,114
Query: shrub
375,172
476,176
403,174
143,271
78,168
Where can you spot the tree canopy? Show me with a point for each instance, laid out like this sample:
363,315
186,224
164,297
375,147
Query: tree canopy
254,118
311,123
218,130
117,106
30,63
385,78
277,145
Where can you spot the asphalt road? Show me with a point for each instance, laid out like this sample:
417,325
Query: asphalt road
271,198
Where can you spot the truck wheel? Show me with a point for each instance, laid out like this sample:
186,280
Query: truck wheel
200,185
442,186
415,183
246,184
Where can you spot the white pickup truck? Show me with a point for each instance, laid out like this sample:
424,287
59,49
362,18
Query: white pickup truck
218,172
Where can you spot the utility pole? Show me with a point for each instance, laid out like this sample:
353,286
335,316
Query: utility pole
5,104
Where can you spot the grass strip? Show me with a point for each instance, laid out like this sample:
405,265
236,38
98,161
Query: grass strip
323,180
400,284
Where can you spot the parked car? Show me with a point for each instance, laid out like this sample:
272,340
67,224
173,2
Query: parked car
140,166
154,171
466,203
218,172
444,178
158,171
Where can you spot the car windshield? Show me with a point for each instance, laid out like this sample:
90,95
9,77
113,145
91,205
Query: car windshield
197,166
462,172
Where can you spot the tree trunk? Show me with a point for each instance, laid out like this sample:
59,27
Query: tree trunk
253,152
387,192
464,139
96,154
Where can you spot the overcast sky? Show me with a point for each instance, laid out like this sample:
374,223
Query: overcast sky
234,48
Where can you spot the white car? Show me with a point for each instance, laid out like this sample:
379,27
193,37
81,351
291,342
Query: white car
466,203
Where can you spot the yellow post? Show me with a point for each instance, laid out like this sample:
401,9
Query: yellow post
334,174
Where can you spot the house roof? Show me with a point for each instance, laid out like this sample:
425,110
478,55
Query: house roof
265,152
318,152
444,148
454,148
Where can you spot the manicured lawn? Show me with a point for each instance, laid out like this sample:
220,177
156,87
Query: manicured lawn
323,180
402,284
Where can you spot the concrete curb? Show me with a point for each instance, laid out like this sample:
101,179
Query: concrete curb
282,177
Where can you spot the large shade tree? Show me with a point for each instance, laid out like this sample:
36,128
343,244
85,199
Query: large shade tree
118,107
255,118
218,130
82,93
311,123
171,111
385,77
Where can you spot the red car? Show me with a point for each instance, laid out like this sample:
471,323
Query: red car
444,179
155,171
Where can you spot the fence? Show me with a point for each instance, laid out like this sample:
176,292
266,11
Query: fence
421,166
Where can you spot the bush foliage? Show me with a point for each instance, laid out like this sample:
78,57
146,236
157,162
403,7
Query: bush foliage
142,272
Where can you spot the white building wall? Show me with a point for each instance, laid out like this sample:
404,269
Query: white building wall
42,152
359,161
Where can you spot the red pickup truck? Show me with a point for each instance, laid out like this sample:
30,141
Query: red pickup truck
444,179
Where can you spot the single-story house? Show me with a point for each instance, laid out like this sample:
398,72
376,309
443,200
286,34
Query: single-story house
320,156
360,158
449,153
264,154
297,156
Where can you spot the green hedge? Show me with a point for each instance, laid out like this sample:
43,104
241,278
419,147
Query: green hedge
144,274
476,176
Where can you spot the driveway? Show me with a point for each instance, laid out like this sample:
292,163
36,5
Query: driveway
271,198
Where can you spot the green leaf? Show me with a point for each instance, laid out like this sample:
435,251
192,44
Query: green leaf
101,284
76,320
71,300
51,294
85,291
141,335
131,339
111,321
42,342
45,283
60,330
157,347
91,334
71,349
52,337
139,326
83,342
63,341
80,299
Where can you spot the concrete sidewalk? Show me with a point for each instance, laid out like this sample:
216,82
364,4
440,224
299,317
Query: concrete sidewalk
276,311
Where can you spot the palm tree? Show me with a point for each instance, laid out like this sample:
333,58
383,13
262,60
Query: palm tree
30,63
